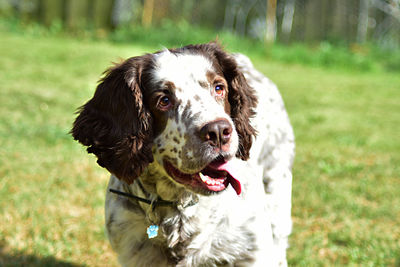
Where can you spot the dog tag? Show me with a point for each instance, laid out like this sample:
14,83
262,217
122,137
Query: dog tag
152,231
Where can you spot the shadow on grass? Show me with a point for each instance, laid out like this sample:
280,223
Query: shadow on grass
8,258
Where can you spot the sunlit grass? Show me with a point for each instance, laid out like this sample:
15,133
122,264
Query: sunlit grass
346,205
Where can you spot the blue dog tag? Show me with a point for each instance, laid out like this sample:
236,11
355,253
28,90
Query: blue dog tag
152,231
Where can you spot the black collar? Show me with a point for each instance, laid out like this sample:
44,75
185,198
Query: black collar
152,203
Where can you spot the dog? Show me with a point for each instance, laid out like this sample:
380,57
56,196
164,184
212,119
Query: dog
200,150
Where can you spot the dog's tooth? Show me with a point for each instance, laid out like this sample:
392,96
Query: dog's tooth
209,182
203,177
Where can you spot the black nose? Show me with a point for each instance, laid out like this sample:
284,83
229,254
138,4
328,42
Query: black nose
216,133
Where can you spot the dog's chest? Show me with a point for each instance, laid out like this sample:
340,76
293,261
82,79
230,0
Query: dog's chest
208,235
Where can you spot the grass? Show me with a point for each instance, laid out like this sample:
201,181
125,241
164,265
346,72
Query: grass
346,204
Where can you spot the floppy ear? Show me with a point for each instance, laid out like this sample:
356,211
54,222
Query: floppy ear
115,124
242,100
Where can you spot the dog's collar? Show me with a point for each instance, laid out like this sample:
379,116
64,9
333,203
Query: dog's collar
153,203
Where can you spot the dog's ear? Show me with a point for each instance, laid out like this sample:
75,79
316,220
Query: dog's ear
241,97
115,124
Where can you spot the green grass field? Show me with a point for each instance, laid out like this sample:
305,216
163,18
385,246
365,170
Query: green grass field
346,192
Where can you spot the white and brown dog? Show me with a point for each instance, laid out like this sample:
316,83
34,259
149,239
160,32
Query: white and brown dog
200,149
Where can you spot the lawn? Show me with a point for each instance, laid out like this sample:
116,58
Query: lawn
346,192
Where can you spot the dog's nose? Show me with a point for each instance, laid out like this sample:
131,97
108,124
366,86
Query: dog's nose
216,133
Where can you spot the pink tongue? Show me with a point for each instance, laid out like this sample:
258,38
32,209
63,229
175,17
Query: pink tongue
233,174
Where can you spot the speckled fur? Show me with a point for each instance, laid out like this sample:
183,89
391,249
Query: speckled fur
220,229
178,142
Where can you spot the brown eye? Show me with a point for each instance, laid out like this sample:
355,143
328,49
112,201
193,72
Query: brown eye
164,102
219,90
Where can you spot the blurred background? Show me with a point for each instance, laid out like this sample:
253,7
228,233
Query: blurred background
287,21
342,32
336,62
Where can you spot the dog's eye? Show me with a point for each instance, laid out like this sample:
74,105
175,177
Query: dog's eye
164,102
219,90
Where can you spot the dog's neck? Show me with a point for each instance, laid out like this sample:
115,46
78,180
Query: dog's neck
158,196
173,219
156,183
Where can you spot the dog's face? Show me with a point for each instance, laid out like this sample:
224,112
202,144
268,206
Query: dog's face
186,110
188,97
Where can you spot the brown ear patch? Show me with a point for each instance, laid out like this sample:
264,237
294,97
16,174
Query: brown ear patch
115,124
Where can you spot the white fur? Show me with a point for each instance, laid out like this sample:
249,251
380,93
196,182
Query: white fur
183,68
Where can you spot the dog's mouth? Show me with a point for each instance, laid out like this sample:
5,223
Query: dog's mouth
215,177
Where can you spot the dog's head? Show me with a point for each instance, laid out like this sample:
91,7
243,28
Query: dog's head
186,109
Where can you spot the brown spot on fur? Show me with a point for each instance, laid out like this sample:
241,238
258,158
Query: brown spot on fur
174,161
170,86
210,76
180,132
203,84
227,106
186,114
176,140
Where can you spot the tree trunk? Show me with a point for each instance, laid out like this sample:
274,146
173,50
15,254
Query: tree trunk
230,13
147,16
287,21
270,34
362,21
102,13
76,16
340,19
